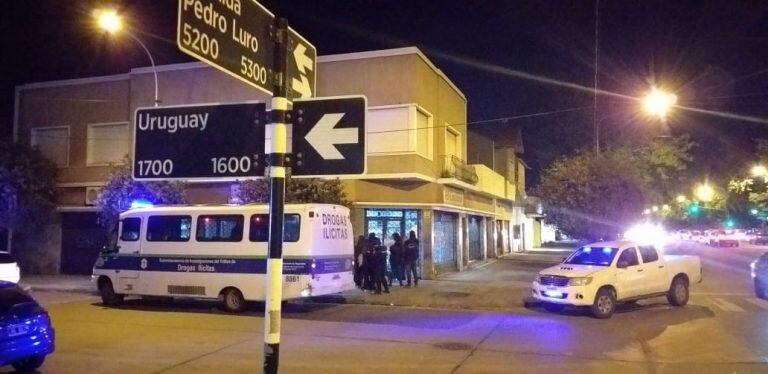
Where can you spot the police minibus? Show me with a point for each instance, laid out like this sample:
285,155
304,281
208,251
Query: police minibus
221,252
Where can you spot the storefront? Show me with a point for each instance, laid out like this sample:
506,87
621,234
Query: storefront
446,241
475,238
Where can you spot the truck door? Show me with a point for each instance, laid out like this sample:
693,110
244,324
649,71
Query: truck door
129,252
629,274
655,272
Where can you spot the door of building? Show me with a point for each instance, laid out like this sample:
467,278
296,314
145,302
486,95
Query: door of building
81,241
475,233
446,227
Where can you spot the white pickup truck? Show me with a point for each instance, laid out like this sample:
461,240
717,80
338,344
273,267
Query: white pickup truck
600,275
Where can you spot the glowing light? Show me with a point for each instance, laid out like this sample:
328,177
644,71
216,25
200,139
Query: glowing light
607,250
655,208
587,249
647,211
754,212
681,198
704,192
647,233
665,207
658,103
141,203
759,171
108,20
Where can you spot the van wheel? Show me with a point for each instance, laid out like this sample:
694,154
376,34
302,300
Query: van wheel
108,294
678,292
232,300
28,364
605,303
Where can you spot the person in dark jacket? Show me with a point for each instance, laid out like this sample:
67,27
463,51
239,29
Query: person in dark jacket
396,259
411,259
380,269
360,246
369,262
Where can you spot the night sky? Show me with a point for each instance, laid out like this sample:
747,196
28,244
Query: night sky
713,54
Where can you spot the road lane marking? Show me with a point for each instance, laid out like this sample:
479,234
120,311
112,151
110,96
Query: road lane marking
727,305
759,302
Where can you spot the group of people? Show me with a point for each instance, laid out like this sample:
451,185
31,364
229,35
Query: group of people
371,258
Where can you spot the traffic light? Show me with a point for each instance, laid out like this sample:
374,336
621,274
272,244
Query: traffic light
730,223
694,209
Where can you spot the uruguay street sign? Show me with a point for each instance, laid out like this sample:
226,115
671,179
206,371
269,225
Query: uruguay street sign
329,136
237,37
210,141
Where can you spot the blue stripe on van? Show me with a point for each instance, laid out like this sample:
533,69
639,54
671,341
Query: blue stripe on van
242,265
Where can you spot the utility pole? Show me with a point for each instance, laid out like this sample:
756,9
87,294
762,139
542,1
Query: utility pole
278,146
596,122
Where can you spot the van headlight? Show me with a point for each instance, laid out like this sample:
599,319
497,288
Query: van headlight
580,281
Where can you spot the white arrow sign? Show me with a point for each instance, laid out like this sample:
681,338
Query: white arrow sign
303,62
324,137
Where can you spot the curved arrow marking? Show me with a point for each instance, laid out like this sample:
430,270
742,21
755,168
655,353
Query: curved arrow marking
302,60
324,137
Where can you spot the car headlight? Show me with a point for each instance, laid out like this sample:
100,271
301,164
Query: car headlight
580,281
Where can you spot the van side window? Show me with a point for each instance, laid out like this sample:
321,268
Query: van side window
648,254
131,229
220,228
260,228
169,228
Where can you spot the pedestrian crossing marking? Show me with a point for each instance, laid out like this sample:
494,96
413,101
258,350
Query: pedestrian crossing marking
726,305
759,302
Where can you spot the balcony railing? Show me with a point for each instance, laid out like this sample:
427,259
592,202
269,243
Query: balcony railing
454,167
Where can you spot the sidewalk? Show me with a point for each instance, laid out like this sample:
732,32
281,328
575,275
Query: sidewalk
543,255
495,285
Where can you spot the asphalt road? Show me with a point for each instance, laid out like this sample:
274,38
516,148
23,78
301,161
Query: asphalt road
723,329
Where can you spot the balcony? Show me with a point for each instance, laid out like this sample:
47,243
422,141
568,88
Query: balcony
454,167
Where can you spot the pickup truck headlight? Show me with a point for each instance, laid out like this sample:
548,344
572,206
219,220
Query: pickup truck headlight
580,281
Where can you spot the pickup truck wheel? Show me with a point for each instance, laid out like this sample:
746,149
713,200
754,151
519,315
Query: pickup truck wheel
554,308
760,289
605,303
678,292
108,294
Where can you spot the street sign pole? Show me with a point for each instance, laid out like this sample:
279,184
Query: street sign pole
277,126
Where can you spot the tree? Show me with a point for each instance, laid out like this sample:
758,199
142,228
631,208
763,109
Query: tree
594,196
121,190
297,191
27,187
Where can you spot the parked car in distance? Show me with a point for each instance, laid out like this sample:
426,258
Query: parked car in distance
759,272
9,269
600,275
758,237
724,238
698,236
26,334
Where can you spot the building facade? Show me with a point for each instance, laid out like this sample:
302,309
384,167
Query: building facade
417,178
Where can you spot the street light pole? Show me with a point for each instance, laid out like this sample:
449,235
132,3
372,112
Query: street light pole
596,123
151,61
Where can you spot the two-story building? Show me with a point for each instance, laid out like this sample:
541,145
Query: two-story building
416,177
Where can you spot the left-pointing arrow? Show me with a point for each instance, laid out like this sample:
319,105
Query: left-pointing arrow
324,137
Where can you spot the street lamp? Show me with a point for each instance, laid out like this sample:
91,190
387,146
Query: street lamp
704,192
111,22
760,171
658,103
681,199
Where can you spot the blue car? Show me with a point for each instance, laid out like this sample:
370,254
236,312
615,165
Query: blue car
26,334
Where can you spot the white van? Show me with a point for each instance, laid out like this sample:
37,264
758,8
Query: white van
221,252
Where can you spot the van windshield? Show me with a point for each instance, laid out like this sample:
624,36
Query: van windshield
599,256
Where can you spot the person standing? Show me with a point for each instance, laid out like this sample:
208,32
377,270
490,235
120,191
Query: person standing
369,262
360,246
397,259
412,259
380,266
